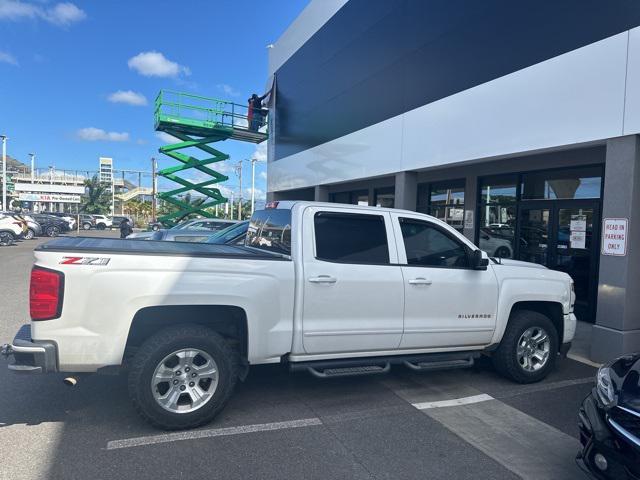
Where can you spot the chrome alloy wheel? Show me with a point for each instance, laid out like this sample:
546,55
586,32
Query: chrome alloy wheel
185,380
534,348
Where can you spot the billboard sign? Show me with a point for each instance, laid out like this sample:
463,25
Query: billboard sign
47,188
49,197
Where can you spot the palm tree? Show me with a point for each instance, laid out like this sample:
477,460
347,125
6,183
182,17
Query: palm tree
97,198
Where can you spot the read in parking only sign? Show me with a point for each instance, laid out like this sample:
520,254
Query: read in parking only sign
615,233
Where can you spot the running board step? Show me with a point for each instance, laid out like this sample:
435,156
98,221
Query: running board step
442,365
349,371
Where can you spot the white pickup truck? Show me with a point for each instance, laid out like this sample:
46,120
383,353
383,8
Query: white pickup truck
326,288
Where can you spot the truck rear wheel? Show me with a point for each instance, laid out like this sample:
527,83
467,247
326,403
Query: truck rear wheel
182,377
529,347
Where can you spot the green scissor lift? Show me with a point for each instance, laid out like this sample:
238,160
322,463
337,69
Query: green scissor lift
199,122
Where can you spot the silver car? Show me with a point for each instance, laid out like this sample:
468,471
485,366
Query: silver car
199,236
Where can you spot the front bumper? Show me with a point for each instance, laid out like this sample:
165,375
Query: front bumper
30,356
597,437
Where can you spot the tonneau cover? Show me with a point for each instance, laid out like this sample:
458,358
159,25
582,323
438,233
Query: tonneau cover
151,247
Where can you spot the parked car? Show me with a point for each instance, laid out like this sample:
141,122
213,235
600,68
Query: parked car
115,221
198,236
11,229
67,217
329,289
33,228
494,244
52,226
102,222
609,422
214,224
232,235
21,221
87,222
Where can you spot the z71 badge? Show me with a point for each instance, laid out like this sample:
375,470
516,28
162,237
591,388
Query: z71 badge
84,260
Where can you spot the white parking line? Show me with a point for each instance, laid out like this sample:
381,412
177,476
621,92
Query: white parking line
581,359
454,402
214,432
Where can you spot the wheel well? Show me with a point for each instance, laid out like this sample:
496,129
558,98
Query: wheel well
228,321
551,310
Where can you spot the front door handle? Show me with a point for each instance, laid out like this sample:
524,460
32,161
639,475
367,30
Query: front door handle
323,279
420,281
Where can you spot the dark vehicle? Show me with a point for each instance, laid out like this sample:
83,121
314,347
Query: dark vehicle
52,226
87,222
609,422
232,235
118,219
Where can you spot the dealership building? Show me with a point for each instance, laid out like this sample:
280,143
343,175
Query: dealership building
517,123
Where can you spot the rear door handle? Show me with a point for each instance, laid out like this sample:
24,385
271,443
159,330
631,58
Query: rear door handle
420,281
323,279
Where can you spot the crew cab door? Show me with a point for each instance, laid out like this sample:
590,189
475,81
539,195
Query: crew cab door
447,304
353,288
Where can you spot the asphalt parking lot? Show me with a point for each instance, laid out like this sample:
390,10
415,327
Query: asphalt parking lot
463,424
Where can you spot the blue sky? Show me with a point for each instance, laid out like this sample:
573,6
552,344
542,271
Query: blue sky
78,80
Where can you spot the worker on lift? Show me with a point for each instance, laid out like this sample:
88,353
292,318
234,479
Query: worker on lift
255,115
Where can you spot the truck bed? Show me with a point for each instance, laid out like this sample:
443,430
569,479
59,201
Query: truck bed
151,247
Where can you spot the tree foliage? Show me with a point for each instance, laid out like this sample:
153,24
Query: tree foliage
97,198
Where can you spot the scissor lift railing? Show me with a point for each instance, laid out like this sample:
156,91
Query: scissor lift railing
198,122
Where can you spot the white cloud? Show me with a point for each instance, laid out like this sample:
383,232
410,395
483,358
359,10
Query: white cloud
129,97
92,134
263,175
260,152
228,90
260,194
8,58
155,64
62,14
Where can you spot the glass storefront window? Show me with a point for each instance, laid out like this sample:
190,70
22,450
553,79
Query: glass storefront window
385,197
499,190
357,197
443,200
572,183
497,230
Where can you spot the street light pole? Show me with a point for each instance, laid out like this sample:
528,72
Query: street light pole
4,172
153,189
253,184
239,171
33,167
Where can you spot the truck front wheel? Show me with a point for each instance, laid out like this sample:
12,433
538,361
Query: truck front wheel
182,377
529,347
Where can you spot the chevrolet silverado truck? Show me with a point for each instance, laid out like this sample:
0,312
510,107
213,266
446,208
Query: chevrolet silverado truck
330,289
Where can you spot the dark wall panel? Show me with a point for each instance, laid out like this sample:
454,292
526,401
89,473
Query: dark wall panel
376,59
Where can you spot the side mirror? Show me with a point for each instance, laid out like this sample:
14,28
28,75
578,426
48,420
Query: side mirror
479,260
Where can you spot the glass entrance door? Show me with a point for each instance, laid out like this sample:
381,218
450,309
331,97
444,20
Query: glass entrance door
576,252
563,235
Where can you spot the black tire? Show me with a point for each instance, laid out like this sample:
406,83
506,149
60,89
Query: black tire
151,354
505,358
503,252
155,228
52,231
30,235
86,226
101,226
7,238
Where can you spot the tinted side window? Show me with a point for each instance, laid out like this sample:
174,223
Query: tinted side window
270,230
351,238
426,245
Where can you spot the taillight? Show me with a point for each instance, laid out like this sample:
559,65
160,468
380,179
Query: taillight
45,293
